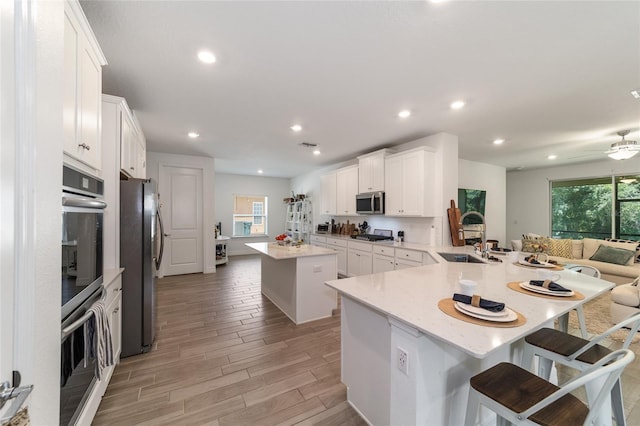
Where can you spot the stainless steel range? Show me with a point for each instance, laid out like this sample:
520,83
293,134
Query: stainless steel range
378,235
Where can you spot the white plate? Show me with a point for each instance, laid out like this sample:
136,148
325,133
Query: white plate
541,265
546,291
511,316
480,311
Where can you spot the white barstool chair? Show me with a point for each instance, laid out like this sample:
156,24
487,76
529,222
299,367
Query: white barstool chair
522,398
563,321
555,346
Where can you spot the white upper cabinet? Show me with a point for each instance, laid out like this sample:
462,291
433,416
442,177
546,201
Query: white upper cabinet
83,61
371,171
125,133
346,190
410,186
328,194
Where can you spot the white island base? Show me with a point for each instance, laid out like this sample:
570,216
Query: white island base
293,279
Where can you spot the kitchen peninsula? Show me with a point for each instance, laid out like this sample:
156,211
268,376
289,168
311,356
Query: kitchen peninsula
293,278
389,313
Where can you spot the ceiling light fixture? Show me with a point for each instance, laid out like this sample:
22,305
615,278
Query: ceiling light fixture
206,57
457,104
624,149
296,127
260,171
636,93
404,113
552,157
498,141
193,135
316,152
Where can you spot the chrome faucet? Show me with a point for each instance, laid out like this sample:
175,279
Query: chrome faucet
483,231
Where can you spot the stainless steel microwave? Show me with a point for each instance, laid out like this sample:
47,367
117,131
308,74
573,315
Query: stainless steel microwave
370,203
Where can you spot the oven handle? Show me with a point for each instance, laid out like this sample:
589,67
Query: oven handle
66,332
89,203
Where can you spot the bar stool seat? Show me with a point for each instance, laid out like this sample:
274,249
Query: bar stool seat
499,384
520,397
552,345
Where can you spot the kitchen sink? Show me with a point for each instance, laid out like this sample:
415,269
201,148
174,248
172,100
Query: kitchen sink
460,257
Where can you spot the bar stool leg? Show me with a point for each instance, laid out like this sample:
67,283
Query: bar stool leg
582,322
527,358
473,404
617,404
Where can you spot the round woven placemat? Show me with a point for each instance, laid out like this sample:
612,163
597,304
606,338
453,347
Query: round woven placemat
555,268
447,306
514,285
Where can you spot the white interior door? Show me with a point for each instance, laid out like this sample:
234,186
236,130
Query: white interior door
180,190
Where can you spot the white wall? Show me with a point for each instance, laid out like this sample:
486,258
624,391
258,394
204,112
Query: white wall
418,230
155,159
493,179
528,192
228,185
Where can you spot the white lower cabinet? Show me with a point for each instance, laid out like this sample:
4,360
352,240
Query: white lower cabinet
359,259
318,241
340,246
383,259
408,258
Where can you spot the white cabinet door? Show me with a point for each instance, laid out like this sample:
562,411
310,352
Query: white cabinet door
371,172
382,263
342,259
405,264
141,157
359,263
318,241
346,190
393,186
328,194
82,91
126,145
410,184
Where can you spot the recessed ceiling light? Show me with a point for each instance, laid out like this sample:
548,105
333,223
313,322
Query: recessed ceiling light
260,171
193,135
636,93
498,141
206,57
457,104
316,152
296,127
552,157
404,113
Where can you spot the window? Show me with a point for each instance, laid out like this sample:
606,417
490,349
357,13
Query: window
596,208
249,215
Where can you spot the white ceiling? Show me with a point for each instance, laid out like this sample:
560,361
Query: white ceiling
548,77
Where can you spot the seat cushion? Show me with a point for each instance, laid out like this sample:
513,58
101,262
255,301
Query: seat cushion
627,295
566,344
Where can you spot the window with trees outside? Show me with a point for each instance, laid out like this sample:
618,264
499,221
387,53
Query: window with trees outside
596,208
249,215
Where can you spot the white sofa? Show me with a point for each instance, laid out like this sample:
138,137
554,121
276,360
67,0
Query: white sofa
582,250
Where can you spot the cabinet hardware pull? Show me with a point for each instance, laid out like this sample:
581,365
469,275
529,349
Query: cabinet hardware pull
85,146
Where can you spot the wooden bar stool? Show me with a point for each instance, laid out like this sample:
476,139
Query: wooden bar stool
555,346
522,398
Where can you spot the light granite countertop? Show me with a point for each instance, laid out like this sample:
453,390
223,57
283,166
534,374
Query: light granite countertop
278,252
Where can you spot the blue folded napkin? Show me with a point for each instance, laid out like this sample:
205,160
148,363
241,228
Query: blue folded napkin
489,305
532,260
551,286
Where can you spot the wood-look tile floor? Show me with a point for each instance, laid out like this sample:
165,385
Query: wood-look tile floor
225,355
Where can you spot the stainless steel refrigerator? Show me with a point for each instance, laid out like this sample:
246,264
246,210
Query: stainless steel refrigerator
140,257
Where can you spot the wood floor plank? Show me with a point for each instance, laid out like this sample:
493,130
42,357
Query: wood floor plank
225,355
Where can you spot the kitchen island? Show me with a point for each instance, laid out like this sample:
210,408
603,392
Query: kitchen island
386,314
293,279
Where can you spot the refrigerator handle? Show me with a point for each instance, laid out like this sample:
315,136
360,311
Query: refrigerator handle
159,259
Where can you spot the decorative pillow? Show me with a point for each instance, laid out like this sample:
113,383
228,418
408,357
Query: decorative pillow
538,245
614,240
591,245
576,249
561,248
613,255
